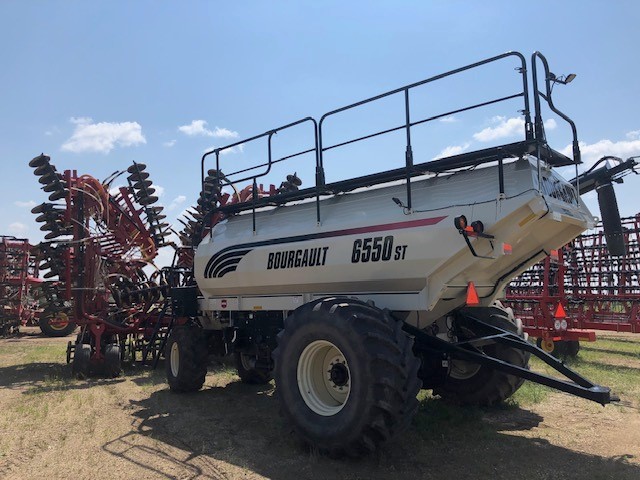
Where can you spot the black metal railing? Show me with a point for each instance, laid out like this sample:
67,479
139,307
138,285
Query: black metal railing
408,124
549,80
534,141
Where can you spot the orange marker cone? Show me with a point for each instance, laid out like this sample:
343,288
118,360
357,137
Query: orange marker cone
472,295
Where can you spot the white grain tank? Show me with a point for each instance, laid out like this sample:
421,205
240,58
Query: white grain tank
368,246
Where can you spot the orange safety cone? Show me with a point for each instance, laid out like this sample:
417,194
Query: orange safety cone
472,295
560,313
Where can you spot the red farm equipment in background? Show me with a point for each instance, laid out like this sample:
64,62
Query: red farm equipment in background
18,276
579,289
22,292
95,251
100,251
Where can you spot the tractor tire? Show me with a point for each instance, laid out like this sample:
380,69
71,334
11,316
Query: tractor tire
346,375
572,349
112,360
473,384
248,373
186,359
56,328
81,364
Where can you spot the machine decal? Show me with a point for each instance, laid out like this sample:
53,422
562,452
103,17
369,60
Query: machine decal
228,262
303,257
375,249
227,259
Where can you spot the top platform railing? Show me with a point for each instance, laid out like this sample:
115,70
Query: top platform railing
533,141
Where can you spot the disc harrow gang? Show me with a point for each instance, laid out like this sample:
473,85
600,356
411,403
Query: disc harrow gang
100,246
581,288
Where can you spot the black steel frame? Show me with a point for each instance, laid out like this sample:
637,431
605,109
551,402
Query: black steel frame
470,351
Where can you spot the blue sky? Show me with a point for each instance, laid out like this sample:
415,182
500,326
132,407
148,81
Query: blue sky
98,84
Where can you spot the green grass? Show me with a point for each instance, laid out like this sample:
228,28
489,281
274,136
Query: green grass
46,353
609,362
529,394
436,418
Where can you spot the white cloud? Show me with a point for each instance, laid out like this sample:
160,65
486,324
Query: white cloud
102,137
591,153
452,150
504,128
159,190
169,144
196,127
199,128
18,228
227,151
449,119
28,204
634,135
179,200
507,127
224,133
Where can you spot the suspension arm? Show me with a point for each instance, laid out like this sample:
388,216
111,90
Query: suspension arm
467,350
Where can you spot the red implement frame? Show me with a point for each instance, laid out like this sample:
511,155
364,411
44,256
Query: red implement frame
18,276
595,290
100,245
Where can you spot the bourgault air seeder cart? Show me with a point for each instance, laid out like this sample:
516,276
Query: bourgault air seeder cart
357,293
354,294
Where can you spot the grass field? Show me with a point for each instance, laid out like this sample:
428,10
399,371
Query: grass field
132,427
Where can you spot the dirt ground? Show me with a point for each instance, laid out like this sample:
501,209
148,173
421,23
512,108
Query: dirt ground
54,426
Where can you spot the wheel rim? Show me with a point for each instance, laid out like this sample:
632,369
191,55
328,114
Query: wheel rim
548,346
461,370
324,378
245,361
175,359
58,323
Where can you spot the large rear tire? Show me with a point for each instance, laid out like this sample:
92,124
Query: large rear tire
345,375
186,359
473,384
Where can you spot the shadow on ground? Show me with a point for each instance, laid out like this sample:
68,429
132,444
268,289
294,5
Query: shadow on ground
40,377
611,352
218,431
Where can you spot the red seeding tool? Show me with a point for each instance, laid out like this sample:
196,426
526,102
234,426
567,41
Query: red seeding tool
97,245
592,283
22,291
18,276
